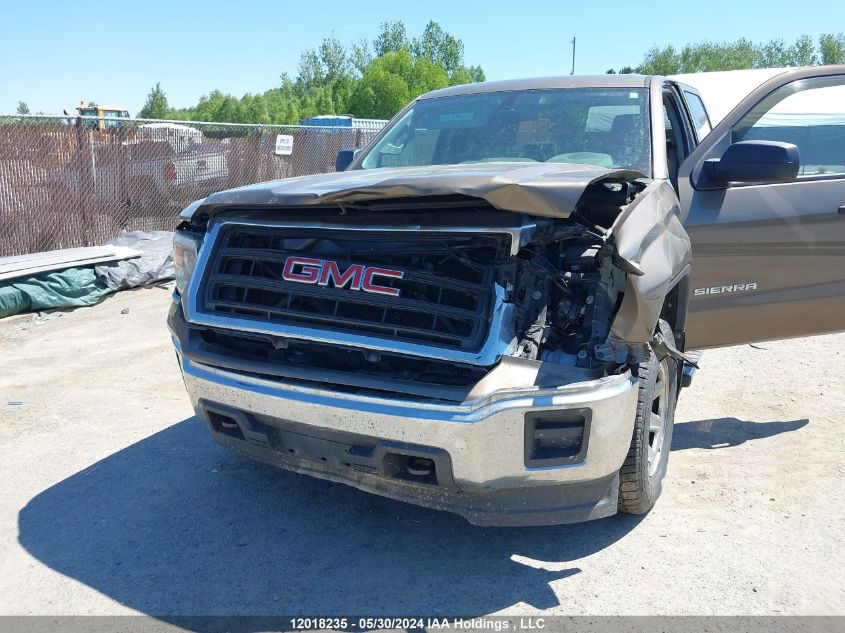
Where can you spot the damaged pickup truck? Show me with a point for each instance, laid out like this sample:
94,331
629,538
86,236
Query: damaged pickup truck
487,310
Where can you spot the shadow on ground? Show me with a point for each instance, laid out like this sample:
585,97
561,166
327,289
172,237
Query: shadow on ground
175,525
726,432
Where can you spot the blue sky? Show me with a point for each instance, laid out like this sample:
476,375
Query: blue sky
53,54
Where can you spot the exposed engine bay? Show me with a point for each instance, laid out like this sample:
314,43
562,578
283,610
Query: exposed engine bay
569,283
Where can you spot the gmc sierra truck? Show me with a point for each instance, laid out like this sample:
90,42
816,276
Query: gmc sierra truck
487,310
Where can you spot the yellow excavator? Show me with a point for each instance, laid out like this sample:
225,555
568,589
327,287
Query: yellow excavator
108,118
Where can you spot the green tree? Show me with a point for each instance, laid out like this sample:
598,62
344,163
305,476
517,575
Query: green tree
439,47
229,110
661,61
772,54
802,53
391,39
23,108
742,53
323,65
712,56
156,105
360,55
326,76
699,57
254,109
461,75
392,80
333,79
292,113
383,89
477,74
323,101
216,106
427,76
832,48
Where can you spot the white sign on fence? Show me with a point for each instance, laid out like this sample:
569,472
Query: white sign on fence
284,144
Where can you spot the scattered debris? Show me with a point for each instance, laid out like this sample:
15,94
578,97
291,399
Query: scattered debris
43,317
40,318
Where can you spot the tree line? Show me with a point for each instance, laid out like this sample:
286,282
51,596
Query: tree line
367,80
376,79
698,57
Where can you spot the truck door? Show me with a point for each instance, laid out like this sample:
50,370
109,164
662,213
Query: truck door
764,195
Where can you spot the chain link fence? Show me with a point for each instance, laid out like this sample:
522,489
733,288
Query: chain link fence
70,181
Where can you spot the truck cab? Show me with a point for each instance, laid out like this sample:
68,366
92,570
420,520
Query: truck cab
102,118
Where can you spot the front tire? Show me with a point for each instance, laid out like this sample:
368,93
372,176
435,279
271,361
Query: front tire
641,475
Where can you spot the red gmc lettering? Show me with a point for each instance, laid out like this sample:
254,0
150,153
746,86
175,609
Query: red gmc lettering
305,270
369,286
310,271
332,271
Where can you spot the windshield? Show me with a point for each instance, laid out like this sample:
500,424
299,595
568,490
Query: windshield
606,127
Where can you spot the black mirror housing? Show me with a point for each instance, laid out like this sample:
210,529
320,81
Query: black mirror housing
344,159
755,162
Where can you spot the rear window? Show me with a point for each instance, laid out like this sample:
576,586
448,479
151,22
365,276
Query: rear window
698,113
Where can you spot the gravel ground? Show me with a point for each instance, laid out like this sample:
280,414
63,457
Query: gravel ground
113,500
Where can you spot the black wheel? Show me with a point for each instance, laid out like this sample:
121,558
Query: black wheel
641,475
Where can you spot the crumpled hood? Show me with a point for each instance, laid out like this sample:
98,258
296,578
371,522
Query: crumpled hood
540,189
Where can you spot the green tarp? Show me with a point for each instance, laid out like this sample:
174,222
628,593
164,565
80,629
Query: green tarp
69,288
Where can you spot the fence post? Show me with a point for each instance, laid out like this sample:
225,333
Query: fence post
256,155
85,169
121,156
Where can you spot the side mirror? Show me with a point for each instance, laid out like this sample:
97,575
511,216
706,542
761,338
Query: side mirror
344,159
754,161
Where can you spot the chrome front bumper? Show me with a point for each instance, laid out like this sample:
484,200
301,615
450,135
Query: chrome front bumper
484,439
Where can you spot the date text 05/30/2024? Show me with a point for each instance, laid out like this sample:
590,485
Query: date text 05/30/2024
410,623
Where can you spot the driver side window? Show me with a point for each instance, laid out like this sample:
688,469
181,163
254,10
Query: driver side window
808,113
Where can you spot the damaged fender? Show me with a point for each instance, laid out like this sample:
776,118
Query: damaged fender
650,235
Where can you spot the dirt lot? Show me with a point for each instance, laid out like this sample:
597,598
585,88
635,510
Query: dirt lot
114,500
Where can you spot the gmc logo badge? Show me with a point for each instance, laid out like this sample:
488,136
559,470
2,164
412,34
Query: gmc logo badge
305,270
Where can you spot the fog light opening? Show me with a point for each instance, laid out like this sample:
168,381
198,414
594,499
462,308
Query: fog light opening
412,468
556,438
225,425
419,466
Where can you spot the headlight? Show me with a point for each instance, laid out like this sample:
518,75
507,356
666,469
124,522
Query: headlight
185,247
